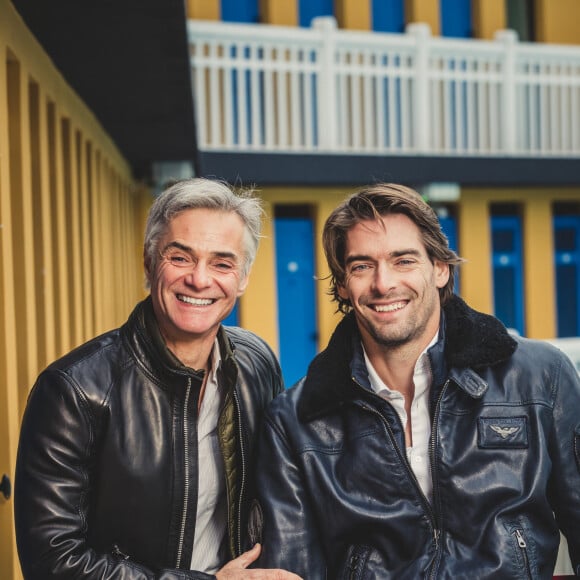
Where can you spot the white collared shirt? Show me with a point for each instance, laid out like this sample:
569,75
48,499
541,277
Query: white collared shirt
210,528
418,454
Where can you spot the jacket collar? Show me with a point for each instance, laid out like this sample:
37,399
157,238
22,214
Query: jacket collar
472,340
142,335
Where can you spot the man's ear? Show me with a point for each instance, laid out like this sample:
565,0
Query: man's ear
441,273
147,265
342,292
243,285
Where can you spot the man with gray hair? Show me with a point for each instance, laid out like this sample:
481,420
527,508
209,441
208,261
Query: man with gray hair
136,447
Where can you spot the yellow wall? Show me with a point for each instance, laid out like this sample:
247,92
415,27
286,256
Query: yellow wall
203,9
281,12
488,17
424,11
70,244
557,21
353,14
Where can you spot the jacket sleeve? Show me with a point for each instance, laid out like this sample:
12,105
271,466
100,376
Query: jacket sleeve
53,483
565,453
282,517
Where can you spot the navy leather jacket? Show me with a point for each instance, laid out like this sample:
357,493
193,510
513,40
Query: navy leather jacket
337,497
106,475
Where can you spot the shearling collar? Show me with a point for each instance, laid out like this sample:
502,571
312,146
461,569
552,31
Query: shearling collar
472,340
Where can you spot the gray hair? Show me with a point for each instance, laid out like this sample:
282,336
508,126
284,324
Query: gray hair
201,193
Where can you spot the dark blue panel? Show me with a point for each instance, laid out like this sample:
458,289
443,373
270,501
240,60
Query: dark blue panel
567,262
456,18
449,227
508,290
504,291
309,9
240,10
233,317
388,15
567,300
296,296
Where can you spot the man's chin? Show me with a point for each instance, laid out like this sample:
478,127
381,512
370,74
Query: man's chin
391,339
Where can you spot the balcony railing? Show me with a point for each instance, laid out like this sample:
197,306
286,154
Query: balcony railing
272,88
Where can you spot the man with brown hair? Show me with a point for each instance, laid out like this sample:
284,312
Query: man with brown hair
424,441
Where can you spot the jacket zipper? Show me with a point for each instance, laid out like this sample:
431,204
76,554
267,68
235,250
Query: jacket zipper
243,478
403,458
432,447
118,554
524,550
186,474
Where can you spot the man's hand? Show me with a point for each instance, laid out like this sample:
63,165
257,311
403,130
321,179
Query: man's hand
238,569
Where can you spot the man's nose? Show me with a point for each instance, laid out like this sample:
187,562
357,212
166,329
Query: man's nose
384,279
199,275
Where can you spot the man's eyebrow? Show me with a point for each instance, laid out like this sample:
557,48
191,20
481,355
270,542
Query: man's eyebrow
189,250
357,258
230,255
394,254
177,245
407,252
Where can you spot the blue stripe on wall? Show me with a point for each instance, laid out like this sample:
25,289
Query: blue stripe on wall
388,16
456,18
240,10
309,9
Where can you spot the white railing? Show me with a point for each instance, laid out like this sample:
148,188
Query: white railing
273,88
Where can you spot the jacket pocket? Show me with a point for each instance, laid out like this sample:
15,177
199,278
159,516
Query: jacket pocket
524,549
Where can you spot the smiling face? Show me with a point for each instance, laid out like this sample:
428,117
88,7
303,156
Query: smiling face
392,284
197,277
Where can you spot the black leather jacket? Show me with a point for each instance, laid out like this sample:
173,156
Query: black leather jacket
338,497
109,443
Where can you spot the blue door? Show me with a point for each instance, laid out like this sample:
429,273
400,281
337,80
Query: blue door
508,295
233,318
388,16
567,258
240,11
449,227
309,9
456,18
297,329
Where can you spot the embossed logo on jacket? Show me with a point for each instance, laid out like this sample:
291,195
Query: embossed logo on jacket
500,432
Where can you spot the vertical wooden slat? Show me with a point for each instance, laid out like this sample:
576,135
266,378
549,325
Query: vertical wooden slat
23,230
86,235
9,406
96,228
59,249
41,230
39,171
72,230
